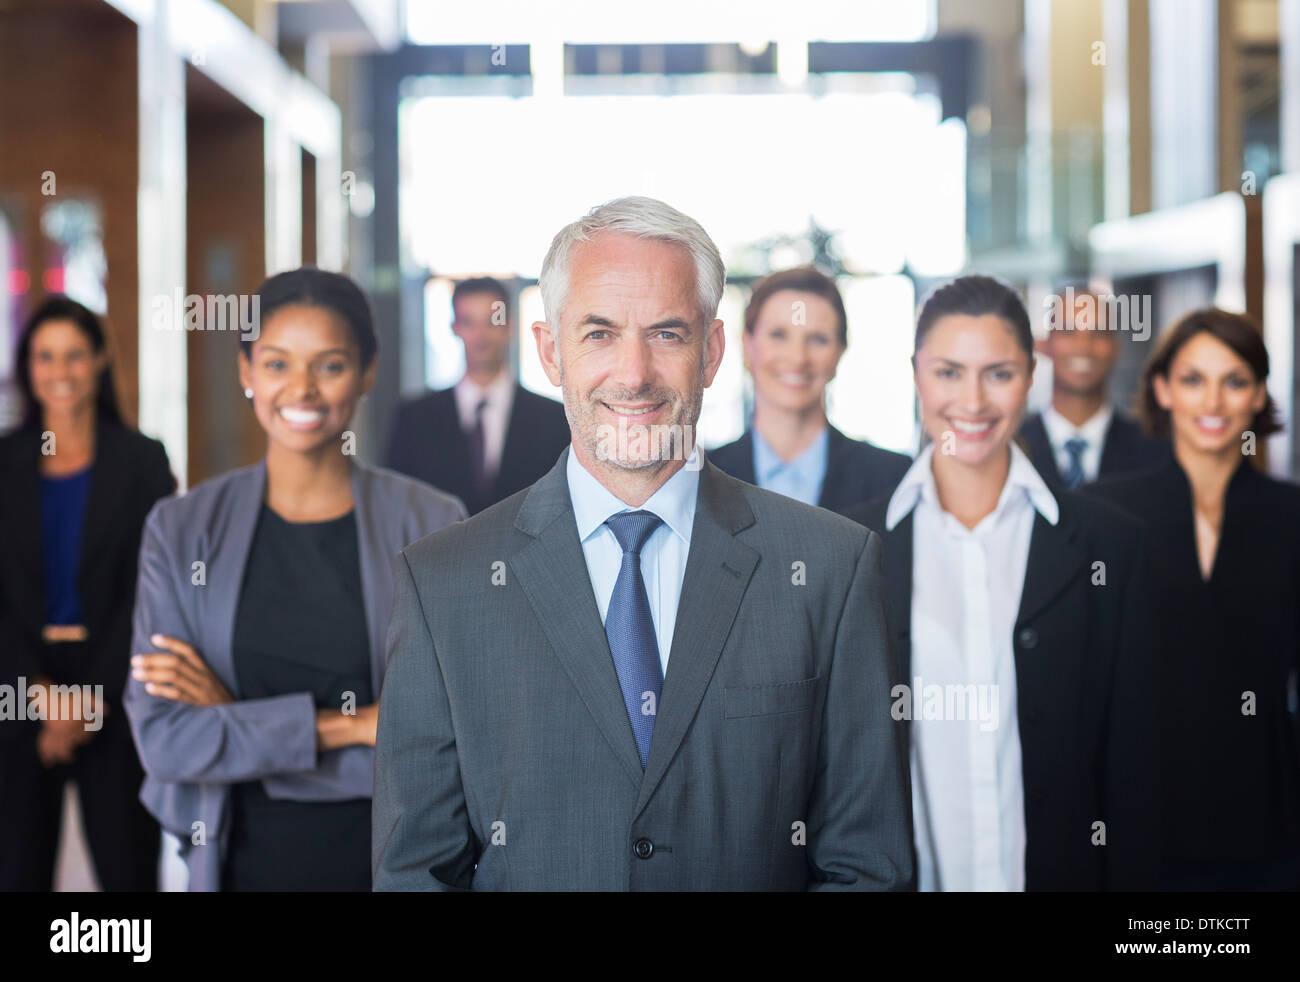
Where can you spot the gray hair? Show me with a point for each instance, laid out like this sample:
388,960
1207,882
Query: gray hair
646,218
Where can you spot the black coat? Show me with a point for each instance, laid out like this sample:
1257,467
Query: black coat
1084,692
856,471
1125,450
130,472
429,444
1231,781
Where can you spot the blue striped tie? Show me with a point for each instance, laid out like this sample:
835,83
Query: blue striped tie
631,631
1075,446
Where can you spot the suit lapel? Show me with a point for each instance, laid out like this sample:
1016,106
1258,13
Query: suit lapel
1115,446
234,526
373,552
26,546
836,444
718,571
108,484
512,449
552,572
744,469
1056,555
1041,454
898,583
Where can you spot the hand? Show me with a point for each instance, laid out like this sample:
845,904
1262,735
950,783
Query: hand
63,632
335,729
182,676
59,740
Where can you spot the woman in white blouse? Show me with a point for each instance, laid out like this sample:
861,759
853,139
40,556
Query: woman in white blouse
1022,676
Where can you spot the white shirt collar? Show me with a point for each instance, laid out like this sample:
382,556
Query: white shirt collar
1059,429
469,392
918,483
674,502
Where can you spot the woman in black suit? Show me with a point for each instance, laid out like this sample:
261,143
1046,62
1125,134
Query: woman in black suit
1018,625
75,486
796,331
1224,596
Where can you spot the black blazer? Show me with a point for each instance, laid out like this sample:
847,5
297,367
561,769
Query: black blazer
856,471
1230,780
130,472
1084,692
429,444
1125,450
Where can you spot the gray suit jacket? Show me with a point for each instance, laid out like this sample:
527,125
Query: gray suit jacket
505,759
192,754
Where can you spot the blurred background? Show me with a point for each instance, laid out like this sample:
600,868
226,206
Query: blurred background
151,149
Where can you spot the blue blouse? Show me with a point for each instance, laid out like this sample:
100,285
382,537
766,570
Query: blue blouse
63,517
801,478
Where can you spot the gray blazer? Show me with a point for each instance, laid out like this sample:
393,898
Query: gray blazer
191,754
505,759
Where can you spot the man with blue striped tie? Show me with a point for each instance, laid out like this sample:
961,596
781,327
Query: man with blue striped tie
639,673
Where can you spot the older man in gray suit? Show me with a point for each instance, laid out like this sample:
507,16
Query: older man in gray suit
639,673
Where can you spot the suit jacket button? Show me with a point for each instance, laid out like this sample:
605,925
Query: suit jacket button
643,848
1028,637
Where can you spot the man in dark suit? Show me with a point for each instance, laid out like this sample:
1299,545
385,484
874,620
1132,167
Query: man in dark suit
1081,437
487,436
639,673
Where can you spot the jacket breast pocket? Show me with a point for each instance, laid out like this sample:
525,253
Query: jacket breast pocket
769,700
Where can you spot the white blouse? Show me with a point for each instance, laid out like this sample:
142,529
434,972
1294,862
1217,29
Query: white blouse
967,782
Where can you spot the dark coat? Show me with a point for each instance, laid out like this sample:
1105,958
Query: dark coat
1126,450
1231,779
429,444
130,472
1084,692
856,471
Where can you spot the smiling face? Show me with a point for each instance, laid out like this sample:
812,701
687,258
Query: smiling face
306,376
793,350
1082,359
973,379
64,368
1212,396
631,350
481,324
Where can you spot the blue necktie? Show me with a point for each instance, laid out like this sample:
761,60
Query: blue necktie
1075,446
631,631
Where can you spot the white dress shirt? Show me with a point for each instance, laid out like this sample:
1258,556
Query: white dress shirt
663,557
500,394
1059,429
967,783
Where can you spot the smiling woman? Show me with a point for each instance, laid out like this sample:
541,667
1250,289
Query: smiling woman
992,576
78,484
280,666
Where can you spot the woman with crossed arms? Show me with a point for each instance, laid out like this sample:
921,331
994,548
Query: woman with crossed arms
1027,605
261,615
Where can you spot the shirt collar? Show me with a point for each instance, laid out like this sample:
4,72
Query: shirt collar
674,502
918,483
495,391
1059,429
808,467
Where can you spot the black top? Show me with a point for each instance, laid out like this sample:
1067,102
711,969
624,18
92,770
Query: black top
300,626
856,471
1230,786
429,443
130,473
1083,691
1125,449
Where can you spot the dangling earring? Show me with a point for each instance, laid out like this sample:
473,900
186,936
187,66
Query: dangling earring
248,393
